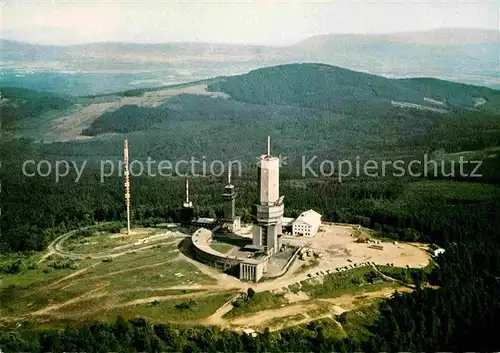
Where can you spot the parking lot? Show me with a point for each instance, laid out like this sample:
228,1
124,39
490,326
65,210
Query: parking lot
335,250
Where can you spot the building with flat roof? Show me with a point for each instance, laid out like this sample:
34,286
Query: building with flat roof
204,222
249,269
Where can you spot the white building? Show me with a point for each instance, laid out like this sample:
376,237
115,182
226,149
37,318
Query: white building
438,252
307,223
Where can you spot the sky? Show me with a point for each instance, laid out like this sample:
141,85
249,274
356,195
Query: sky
249,22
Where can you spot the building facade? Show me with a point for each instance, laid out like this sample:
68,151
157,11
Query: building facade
307,224
245,268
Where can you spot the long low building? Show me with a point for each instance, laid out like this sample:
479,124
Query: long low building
246,268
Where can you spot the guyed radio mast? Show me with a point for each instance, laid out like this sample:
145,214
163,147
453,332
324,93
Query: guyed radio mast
127,183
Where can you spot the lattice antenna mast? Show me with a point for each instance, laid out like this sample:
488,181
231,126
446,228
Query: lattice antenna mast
127,182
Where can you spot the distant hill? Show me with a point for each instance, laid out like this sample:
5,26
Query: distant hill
461,55
308,109
437,37
331,88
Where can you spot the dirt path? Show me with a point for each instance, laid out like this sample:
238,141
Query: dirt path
134,268
190,287
351,301
336,306
71,275
216,318
160,298
87,295
44,257
56,247
257,319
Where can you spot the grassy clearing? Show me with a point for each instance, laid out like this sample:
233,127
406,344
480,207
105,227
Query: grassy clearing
136,259
174,310
322,310
334,331
221,247
31,290
125,297
260,301
162,275
102,240
279,322
96,307
408,275
355,322
337,284
37,274
294,288
19,301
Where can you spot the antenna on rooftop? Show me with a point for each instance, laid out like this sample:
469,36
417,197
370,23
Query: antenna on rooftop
268,145
229,174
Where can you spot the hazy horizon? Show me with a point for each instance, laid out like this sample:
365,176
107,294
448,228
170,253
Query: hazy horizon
251,23
263,44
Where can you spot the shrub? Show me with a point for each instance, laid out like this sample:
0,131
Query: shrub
250,293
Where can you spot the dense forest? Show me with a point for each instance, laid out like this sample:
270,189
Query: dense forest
331,88
125,120
17,104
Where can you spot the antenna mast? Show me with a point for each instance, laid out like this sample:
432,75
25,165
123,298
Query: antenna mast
127,183
229,174
269,145
187,203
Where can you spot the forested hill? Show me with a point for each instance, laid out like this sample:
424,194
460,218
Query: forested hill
333,88
17,104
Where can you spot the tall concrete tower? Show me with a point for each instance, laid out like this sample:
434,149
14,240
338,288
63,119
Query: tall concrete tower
268,211
230,220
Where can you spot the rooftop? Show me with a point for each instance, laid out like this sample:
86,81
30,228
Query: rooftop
204,220
310,217
287,221
202,239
